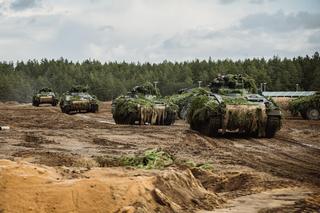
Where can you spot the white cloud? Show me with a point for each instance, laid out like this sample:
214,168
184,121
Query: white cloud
151,30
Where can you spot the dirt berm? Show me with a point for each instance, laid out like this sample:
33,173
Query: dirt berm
26,187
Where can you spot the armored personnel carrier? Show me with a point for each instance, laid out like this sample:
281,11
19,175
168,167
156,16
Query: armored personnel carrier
78,100
143,105
234,106
45,96
308,107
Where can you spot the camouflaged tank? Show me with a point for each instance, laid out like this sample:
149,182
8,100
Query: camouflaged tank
233,106
78,100
45,96
143,105
308,107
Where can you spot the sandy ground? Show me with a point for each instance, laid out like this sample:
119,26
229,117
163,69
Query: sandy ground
48,164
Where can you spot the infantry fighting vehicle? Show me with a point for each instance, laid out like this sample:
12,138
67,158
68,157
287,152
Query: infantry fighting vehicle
45,96
143,105
308,107
78,100
233,106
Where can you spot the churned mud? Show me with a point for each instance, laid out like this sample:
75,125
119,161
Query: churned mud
53,162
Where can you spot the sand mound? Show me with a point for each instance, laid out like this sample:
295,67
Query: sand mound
28,187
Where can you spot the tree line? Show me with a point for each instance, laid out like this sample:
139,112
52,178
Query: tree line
18,81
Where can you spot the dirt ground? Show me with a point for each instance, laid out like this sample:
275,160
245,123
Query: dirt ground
49,163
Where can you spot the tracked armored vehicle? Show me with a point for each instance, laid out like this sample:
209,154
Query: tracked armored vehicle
308,107
45,96
234,106
78,100
143,105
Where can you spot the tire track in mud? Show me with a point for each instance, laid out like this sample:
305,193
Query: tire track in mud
301,166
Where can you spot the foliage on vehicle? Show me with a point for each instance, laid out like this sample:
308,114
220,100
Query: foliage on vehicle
143,105
233,107
229,84
305,106
78,99
44,96
183,99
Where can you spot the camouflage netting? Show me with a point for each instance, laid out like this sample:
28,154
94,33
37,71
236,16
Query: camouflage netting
208,116
143,107
233,82
145,89
44,96
145,111
183,99
78,99
232,105
301,105
45,90
78,88
244,118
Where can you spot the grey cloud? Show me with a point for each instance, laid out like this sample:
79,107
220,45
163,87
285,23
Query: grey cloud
260,1
280,22
23,4
256,1
315,38
106,28
226,1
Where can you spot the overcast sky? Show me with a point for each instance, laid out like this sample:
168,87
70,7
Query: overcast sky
157,30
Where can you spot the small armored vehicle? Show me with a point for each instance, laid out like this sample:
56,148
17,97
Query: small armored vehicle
234,106
308,107
78,100
143,105
45,96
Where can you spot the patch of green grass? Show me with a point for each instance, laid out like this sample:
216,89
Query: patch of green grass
151,159
191,164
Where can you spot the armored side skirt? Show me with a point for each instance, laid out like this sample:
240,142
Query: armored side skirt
46,100
156,115
78,106
253,120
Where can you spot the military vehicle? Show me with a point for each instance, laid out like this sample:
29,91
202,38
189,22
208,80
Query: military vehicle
234,106
45,96
308,107
78,100
143,105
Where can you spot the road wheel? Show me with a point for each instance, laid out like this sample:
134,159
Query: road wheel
273,124
313,114
170,118
66,109
211,127
35,103
94,108
304,115
54,102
